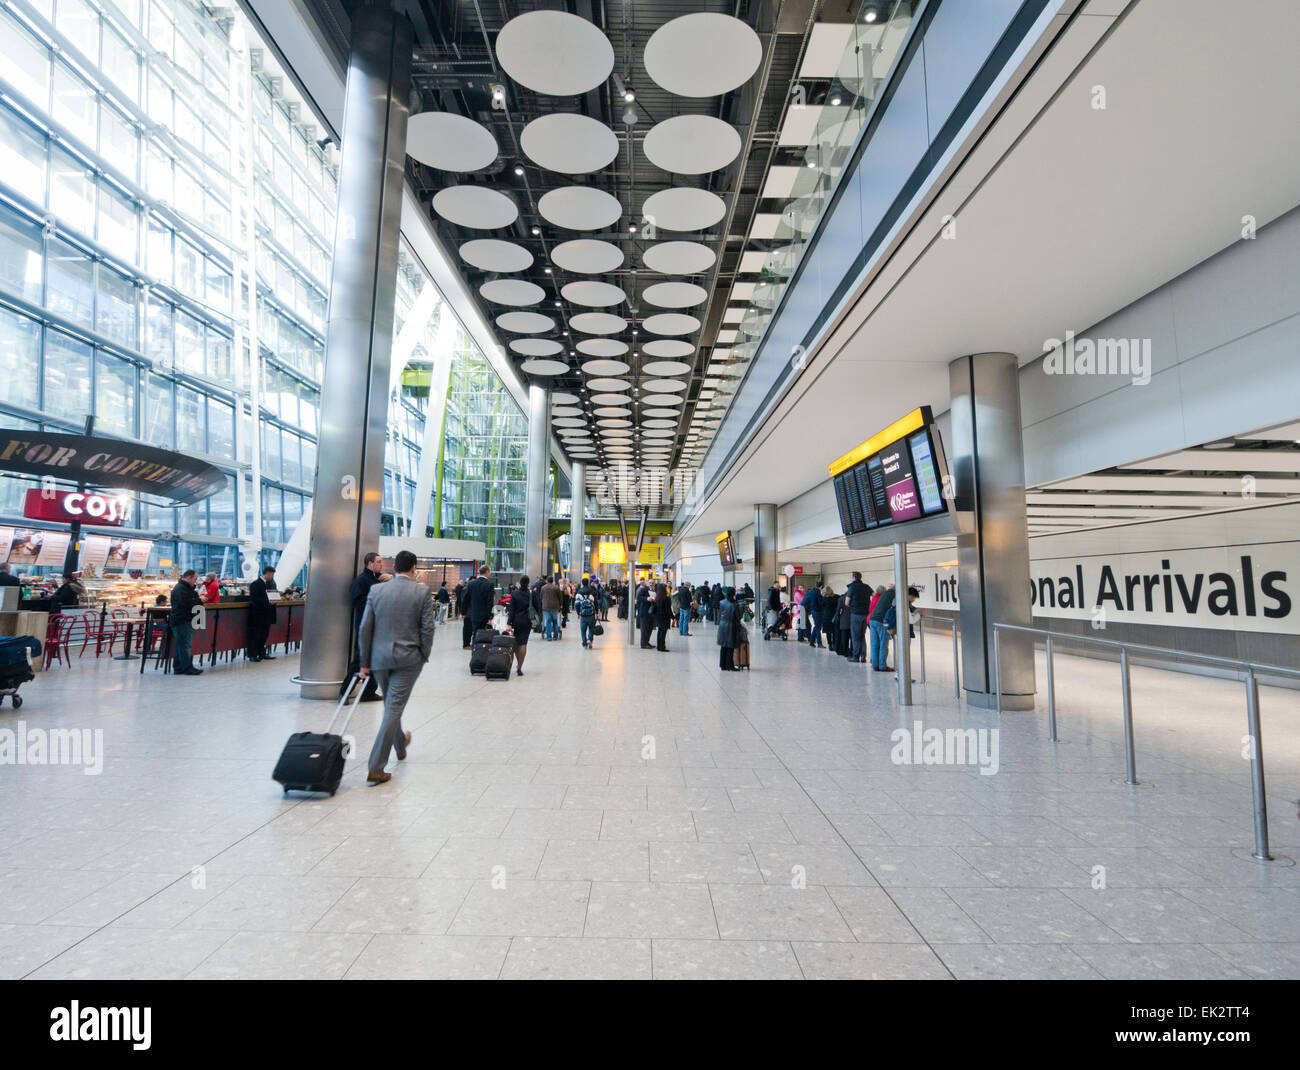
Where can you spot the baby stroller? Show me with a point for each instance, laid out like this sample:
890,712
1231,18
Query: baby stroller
15,665
778,623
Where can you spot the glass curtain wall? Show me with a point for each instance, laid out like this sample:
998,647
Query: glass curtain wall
166,220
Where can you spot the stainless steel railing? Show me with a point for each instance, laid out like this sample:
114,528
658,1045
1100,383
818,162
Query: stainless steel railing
1251,672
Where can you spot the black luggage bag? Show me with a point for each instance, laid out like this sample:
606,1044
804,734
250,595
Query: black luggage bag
500,658
314,761
478,653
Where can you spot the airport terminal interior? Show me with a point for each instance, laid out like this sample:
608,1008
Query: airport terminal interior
416,372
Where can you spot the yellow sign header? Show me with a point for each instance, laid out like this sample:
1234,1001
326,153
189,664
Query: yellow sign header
652,553
913,421
611,553
724,536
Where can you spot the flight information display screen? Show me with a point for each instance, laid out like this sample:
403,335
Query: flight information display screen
727,550
891,479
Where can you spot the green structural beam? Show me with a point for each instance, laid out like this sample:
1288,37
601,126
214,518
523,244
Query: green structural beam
556,528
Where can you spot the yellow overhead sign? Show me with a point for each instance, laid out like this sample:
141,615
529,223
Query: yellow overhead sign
913,421
611,553
724,536
652,553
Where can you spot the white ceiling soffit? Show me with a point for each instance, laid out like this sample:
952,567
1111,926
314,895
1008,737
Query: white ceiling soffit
1223,461
1152,178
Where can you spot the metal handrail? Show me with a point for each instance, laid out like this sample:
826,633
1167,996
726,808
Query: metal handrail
1251,669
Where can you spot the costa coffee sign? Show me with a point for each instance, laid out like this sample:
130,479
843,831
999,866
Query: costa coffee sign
109,462
66,506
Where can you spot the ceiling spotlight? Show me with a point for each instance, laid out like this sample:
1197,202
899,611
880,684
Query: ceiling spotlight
835,101
629,96
557,304
871,15
536,231
547,270
630,116
632,228
519,169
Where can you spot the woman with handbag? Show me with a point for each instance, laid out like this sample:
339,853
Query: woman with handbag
519,617
728,628
662,614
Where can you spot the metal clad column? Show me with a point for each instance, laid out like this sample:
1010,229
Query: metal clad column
578,525
539,434
902,627
988,470
764,559
358,339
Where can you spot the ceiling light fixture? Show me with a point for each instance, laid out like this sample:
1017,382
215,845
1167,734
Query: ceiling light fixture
519,170
835,101
536,231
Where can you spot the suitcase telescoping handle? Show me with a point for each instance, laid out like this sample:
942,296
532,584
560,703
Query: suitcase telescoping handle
352,706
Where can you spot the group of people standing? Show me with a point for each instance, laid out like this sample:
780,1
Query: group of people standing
855,624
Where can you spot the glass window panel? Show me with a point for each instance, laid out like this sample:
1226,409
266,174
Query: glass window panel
219,357
21,257
76,105
115,314
189,343
157,428
159,341
217,285
308,463
72,192
191,429
27,62
272,514
114,395
221,515
158,262
221,429
290,459
22,157
20,340
158,173
121,63
189,194
80,23
160,99
70,290
67,376
189,269
271,451
119,143
119,224
307,408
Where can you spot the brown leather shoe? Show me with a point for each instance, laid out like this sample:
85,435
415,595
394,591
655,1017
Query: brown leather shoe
378,778
406,742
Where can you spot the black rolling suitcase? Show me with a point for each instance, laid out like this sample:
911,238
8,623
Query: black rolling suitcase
500,658
313,761
478,651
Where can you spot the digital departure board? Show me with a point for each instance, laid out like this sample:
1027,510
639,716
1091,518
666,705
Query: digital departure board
727,550
894,477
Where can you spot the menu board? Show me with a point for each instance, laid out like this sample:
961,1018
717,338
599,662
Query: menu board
6,541
137,556
25,546
54,548
94,552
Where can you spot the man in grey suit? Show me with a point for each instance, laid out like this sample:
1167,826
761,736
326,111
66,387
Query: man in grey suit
395,639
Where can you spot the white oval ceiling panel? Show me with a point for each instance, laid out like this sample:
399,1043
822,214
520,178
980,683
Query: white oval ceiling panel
610,421
668,347
570,144
554,53
659,423
525,322
602,347
587,256
449,142
609,399
671,323
566,410
597,323
593,294
665,386
605,367
675,294
666,367
665,399
492,254
681,208
476,207
655,414
580,208
564,399
536,347
614,410
679,258
609,384
568,421
691,144
701,55
511,292
659,433
544,367
614,433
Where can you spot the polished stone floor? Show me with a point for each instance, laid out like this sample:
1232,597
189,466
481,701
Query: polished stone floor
629,813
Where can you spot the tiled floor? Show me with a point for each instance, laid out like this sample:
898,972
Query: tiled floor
619,813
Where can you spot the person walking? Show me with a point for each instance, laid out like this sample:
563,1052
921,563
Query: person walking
685,600
184,601
644,613
396,639
261,615
859,595
443,598
519,618
728,617
584,605
662,612
880,631
812,604
479,598
457,599
551,601
715,601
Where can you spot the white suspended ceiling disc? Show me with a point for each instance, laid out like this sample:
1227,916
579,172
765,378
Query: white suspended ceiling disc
675,294
681,208
570,144
476,207
679,258
544,367
605,367
525,322
536,347
702,55
691,144
564,399
598,323
614,434
665,399
609,399
587,256
668,347
581,208
666,367
608,384
671,323
593,294
511,292
659,433
602,347
611,421
613,410
554,53
658,414
658,424
566,410
449,142
567,421
665,386
492,254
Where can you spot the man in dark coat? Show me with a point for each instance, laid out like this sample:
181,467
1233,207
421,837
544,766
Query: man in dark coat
372,572
261,615
479,599
182,619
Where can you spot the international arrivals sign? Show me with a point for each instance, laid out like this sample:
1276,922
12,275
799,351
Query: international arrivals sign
1241,588
109,462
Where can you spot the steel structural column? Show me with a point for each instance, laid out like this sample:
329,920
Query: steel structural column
349,484
577,523
988,471
539,435
764,559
